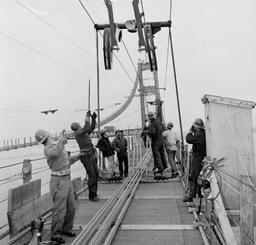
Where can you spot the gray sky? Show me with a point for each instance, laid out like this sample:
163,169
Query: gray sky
214,45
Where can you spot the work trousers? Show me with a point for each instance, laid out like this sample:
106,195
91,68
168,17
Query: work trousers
63,210
89,161
121,160
194,171
171,157
159,155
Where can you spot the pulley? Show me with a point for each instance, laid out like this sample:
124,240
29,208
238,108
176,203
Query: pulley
107,49
150,47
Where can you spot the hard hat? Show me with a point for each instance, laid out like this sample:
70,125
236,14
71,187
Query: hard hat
151,114
199,123
119,131
74,126
41,135
103,131
169,125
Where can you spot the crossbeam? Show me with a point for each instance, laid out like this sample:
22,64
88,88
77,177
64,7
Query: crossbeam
122,25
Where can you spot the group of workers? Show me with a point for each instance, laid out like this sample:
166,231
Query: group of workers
59,161
166,140
108,149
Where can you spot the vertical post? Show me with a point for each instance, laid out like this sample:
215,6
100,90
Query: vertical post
128,147
140,146
98,88
246,212
142,96
133,153
26,171
89,95
24,142
158,97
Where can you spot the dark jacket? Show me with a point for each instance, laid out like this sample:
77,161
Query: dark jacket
154,131
105,146
120,146
197,138
82,135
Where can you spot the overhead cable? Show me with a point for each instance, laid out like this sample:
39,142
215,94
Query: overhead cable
88,14
170,14
176,88
44,55
92,4
167,62
53,28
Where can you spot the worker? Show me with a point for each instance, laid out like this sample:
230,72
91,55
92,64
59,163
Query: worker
107,149
154,131
61,188
171,142
120,146
196,137
89,160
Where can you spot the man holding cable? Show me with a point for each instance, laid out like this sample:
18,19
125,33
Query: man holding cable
61,189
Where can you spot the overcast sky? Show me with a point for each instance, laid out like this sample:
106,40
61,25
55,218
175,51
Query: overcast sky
47,56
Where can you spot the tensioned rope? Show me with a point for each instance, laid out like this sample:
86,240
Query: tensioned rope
44,55
53,28
176,89
33,160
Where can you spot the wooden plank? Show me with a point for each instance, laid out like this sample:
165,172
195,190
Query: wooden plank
221,213
21,195
20,218
247,212
157,227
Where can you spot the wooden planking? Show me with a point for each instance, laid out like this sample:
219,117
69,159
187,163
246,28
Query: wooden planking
221,212
157,227
21,195
247,212
22,217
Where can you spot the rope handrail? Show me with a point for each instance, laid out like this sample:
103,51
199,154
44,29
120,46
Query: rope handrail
35,159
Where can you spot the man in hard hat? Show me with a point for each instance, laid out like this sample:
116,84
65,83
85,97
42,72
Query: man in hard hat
61,188
120,146
89,160
154,131
107,150
195,136
171,142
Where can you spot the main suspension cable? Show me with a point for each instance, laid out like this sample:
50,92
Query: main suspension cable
44,55
53,28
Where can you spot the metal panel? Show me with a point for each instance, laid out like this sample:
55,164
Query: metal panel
229,134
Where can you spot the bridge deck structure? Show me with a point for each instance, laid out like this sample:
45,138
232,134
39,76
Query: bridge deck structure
156,214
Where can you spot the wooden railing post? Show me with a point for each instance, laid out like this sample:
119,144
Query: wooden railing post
26,171
247,212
